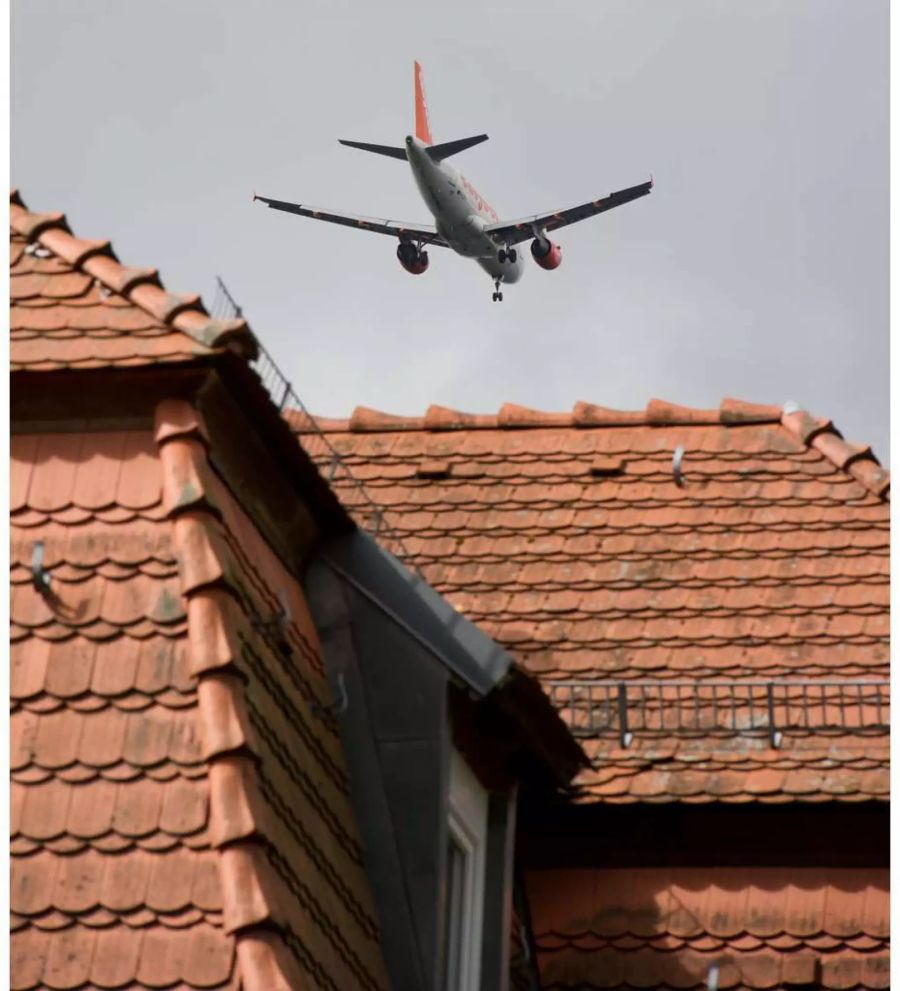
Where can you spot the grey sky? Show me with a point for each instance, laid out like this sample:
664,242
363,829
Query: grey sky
758,267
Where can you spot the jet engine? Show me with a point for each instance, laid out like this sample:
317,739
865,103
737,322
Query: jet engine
414,261
547,254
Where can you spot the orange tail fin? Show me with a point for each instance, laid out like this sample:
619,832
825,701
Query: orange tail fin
423,127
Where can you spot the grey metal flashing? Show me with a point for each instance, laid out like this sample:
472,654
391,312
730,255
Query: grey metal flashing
471,655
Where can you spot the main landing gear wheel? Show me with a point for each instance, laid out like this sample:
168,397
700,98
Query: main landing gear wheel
503,255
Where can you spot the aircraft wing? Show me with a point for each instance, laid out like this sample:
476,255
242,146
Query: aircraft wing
427,233
512,232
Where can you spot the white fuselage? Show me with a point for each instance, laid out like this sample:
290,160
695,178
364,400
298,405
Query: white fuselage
460,212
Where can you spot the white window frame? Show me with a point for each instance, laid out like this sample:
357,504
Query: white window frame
467,823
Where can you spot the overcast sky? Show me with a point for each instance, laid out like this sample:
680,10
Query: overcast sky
758,267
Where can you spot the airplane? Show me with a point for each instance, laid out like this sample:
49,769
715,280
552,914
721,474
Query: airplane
464,220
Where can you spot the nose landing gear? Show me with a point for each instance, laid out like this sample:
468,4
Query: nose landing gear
497,296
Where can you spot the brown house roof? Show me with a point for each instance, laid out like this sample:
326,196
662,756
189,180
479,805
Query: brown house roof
763,927
656,547
74,305
180,809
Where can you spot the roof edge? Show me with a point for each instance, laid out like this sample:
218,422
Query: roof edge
142,287
856,460
657,413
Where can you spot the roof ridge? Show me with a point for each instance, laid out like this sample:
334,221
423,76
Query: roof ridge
856,460
658,412
142,287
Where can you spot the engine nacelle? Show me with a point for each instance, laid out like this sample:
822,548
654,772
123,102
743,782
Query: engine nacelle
547,254
414,261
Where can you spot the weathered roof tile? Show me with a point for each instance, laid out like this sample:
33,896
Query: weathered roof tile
769,560
87,272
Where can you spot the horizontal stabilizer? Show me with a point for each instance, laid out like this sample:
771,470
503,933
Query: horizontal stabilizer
378,149
448,148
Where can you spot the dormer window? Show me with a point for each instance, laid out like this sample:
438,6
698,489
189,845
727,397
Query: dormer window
467,821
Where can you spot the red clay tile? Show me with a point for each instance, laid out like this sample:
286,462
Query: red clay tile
103,738
137,808
116,957
234,800
245,898
184,808
171,880
28,954
209,958
226,726
125,881
162,958
44,810
147,737
70,957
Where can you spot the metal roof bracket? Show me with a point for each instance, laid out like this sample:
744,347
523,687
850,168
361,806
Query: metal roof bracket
775,734
625,736
40,576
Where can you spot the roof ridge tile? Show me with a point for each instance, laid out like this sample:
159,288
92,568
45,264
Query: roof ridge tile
857,460
178,418
29,224
142,287
234,333
363,419
838,451
74,250
660,412
308,423
164,305
512,415
445,418
120,278
586,414
803,425
868,472
739,411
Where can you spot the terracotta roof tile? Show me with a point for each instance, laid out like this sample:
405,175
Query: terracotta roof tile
770,560
65,303
765,927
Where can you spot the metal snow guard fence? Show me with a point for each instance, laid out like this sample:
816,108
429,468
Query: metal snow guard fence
719,707
368,515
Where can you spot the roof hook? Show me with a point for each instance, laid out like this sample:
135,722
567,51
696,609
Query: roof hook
712,977
677,458
275,629
40,576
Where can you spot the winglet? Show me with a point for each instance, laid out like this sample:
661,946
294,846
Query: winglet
423,126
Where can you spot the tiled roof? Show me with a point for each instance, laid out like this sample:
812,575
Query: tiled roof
74,305
765,928
180,815
745,542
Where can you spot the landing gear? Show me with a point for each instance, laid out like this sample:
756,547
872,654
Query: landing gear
503,255
498,296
